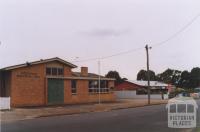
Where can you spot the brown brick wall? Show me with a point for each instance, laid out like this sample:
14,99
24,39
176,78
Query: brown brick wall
82,92
107,97
67,71
84,71
83,95
27,86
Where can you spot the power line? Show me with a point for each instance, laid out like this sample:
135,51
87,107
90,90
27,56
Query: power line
109,56
154,45
178,32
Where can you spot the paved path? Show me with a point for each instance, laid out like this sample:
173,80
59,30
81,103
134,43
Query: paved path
144,119
33,112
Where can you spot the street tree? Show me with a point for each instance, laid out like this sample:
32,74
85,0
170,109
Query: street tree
170,76
116,76
142,75
195,77
185,80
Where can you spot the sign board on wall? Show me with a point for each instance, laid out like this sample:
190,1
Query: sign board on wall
28,75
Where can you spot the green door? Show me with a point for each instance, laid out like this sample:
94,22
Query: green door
55,91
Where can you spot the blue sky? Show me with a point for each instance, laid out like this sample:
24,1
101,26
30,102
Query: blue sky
38,29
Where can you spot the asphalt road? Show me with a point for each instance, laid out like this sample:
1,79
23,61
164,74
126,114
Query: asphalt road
144,119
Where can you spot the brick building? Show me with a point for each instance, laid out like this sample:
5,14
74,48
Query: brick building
52,82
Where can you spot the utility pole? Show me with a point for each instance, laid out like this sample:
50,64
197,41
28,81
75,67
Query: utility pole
99,72
148,76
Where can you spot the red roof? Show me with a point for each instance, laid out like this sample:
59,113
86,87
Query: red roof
127,86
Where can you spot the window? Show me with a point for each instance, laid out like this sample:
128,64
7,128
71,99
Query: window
60,71
104,84
73,87
94,86
48,71
53,71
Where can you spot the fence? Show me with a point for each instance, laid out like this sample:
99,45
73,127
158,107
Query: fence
4,103
133,95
